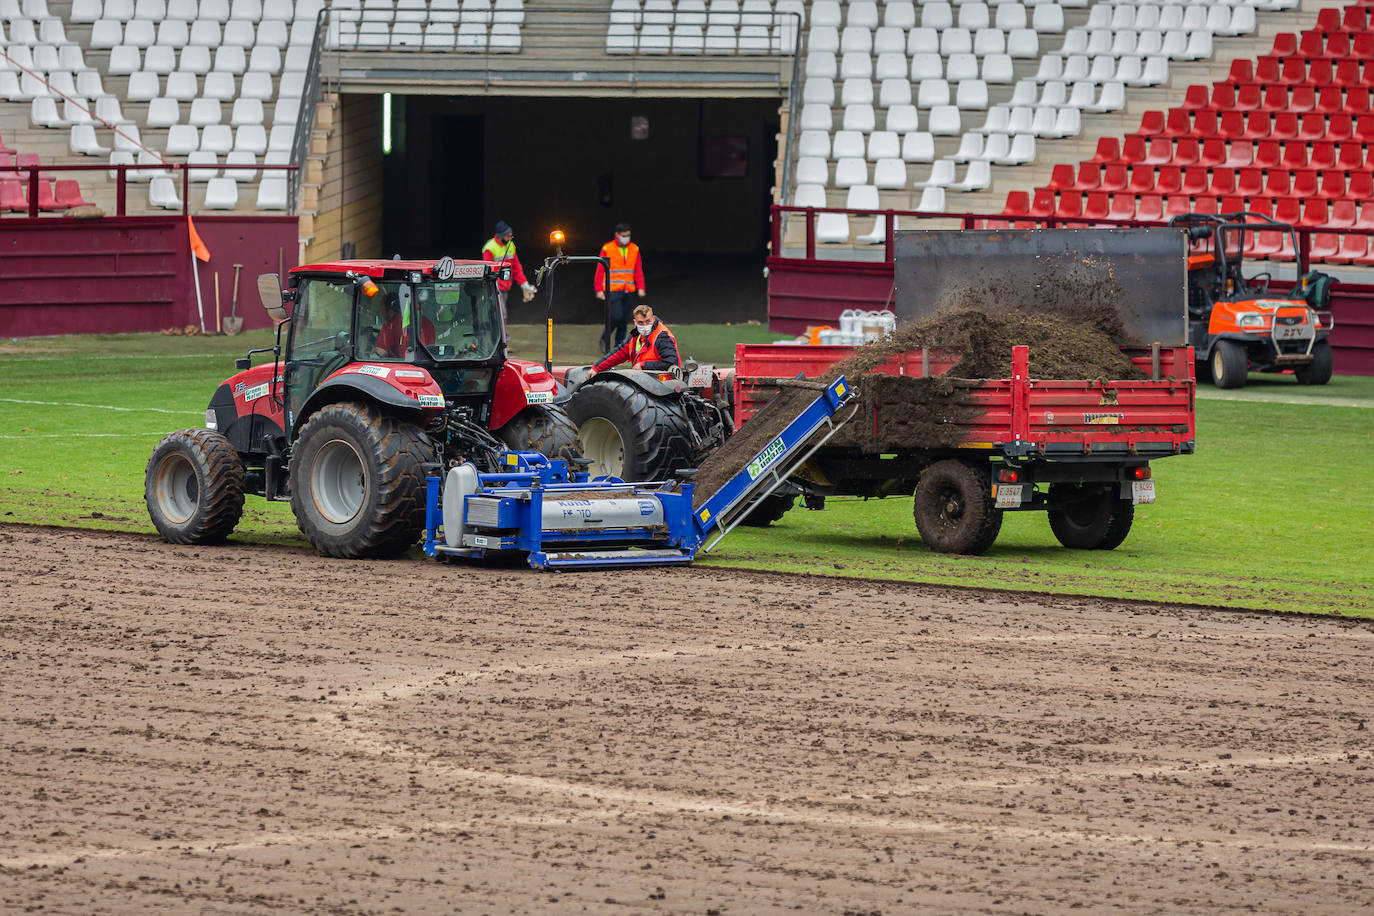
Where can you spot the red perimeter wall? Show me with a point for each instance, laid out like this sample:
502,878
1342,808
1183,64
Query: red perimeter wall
806,293
112,275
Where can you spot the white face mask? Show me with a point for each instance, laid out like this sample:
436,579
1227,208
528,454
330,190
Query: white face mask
623,239
644,329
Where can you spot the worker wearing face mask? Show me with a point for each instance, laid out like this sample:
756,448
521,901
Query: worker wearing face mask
652,347
627,279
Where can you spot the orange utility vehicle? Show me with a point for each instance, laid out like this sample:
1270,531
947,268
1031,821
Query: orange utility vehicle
1236,324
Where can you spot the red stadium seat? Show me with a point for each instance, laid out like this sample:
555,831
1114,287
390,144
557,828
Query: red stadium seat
1286,210
1357,100
1115,178
1311,44
1361,186
1354,249
1294,155
1342,214
1293,72
1320,72
1161,151
1151,124
1268,154
1366,218
68,194
1333,184
1250,182
1367,73
1194,98
1305,184
1312,126
1107,150
46,199
1232,204
1089,176
1267,71
1232,125
1314,213
1362,46
1323,156
1364,129
1224,95
1169,180
1337,45
1142,179
1205,124
1043,203
1206,204
12,196
1347,73
1150,208
1284,126
1213,152
1186,151
1329,20
1123,206
1285,45
1070,205
1275,98
1350,155
1302,98
1339,127
1061,178
1176,206
1240,153
1356,19
1257,125
1097,205
1132,150
1277,182
1223,182
1018,204
1262,205
1242,71
1195,180
7,163
1331,99
1249,98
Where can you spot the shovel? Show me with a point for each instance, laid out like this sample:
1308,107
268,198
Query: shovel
233,324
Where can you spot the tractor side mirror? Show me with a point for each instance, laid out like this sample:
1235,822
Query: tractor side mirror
273,299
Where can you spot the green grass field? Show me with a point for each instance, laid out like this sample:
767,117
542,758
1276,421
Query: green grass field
1272,513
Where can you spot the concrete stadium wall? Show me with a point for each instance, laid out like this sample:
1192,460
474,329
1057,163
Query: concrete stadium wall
104,276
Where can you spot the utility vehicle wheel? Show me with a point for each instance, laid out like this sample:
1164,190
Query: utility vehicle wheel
194,487
357,483
1317,372
1096,518
547,430
630,434
954,509
770,510
1228,364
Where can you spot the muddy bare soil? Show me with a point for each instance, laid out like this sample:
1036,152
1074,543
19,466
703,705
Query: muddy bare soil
260,730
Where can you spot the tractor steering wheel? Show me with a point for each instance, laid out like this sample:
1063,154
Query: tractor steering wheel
1259,282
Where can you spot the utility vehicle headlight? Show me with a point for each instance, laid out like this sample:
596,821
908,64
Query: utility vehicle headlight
1251,321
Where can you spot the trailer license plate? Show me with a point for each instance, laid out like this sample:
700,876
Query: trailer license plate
1142,491
1009,495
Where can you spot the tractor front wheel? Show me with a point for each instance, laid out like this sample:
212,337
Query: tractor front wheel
628,433
1092,517
357,481
1228,363
1317,372
547,430
954,509
193,486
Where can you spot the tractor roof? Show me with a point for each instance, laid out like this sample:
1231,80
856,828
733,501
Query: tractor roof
375,268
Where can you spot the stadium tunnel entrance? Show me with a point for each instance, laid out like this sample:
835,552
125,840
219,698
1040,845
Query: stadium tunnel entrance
693,176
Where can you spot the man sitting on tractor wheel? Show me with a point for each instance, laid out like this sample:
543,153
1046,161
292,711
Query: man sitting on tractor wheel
392,340
652,347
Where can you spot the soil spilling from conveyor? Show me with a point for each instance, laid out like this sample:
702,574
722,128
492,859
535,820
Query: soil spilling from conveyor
1080,339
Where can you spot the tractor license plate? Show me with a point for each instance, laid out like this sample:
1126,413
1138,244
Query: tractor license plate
1142,491
701,376
1009,495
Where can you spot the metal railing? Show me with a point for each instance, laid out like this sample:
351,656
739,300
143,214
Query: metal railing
311,91
35,177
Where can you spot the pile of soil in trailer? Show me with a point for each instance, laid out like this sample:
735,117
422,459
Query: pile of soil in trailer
1080,342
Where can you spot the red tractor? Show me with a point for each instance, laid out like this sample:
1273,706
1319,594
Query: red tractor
1235,323
382,371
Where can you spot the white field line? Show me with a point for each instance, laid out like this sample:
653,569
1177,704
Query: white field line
161,432
1212,395
141,357
104,407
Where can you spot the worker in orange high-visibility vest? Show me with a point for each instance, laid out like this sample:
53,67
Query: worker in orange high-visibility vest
652,347
627,279
500,250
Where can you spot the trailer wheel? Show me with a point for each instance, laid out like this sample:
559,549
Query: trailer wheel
1317,372
628,433
193,486
1094,519
357,483
770,510
954,509
547,430
1228,364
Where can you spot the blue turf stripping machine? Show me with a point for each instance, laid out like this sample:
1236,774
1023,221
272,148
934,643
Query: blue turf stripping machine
563,520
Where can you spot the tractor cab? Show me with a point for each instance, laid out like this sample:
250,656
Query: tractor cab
1237,323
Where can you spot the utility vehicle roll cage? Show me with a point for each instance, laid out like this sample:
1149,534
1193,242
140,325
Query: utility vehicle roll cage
1226,233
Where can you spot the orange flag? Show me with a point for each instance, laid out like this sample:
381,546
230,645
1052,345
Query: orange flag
197,246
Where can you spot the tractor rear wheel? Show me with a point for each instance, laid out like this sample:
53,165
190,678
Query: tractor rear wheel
1094,519
1317,372
628,433
1228,364
193,486
357,481
547,430
954,509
